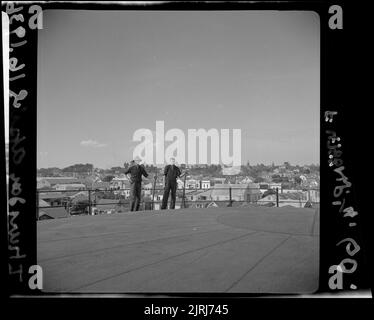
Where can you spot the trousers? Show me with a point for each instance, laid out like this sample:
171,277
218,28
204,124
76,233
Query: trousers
135,195
170,187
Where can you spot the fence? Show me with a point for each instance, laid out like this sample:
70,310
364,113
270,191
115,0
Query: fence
89,201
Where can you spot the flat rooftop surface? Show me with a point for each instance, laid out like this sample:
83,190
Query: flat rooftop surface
212,250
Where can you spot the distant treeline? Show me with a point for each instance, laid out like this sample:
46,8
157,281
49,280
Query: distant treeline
254,171
80,167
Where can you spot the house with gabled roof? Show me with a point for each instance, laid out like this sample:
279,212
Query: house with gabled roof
239,192
52,181
69,186
107,206
294,199
52,213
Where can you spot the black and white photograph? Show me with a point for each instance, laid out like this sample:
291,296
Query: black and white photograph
178,151
165,150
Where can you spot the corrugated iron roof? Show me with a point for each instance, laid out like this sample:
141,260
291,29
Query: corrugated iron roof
53,195
60,180
43,203
57,212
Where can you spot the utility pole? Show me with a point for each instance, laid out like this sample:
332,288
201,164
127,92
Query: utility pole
184,191
230,195
154,189
89,202
277,196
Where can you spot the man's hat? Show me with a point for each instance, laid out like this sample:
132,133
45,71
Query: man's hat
137,159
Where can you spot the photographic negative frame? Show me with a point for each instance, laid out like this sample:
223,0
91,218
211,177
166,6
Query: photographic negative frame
343,268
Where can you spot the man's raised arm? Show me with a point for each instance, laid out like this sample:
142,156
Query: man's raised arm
144,173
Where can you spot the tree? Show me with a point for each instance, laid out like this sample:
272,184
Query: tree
286,185
80,168
80,206
298,180
245,170
108,178
115,169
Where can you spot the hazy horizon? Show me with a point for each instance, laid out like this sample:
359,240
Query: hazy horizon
244,164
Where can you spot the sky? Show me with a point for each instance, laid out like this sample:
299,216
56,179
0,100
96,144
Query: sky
102,75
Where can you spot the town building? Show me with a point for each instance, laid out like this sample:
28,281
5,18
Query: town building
180,183
274,186
295,199
205,184
106,206
52,213
119,182
216,181
230,171
100,185
239,192
245,180
264,187
55,198
42,183
69,186
50,182
192,184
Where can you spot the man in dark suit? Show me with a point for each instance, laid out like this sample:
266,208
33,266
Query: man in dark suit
171,173
136,171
